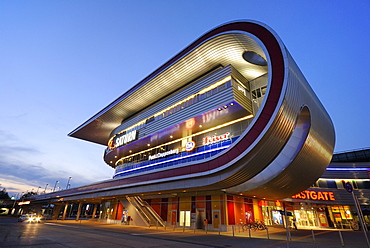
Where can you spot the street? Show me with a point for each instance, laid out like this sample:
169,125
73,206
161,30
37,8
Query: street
93,234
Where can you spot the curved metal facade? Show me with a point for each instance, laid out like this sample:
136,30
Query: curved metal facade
286,147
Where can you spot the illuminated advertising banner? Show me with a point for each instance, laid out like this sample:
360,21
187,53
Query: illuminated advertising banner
209,140
315,195
123,139
164,154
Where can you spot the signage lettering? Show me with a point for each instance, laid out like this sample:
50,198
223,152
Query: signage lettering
189,146
123,139
163,154
241,89
213,139
313,195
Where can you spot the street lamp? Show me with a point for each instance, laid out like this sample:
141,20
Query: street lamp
46,187
55,185
69,179
38,190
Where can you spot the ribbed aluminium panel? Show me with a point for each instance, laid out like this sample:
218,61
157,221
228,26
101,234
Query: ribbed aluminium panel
242,99
239,77
176,97
198,108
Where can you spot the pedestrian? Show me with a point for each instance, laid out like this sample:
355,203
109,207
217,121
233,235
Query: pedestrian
294,223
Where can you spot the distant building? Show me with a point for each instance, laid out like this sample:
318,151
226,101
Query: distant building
225,124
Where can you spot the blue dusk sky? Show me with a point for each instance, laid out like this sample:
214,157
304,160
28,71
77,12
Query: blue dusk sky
63,61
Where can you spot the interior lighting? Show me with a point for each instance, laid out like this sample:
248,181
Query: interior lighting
347,169
174,159
222,81
148,144
232,104
225,107
193,135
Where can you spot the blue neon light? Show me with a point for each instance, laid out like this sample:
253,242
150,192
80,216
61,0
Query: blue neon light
347,169
174,159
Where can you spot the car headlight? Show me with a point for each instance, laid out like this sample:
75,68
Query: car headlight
38,218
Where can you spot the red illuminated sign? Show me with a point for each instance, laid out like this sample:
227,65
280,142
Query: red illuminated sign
213,139
315,195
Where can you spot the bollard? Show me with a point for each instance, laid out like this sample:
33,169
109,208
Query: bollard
183,228
267,233
174,227
232,227
157,225
341,238
165,225
249,231
313,236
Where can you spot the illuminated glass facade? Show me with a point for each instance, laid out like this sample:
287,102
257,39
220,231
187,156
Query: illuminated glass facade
222,110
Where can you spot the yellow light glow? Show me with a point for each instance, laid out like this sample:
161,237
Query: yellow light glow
187,137
222,81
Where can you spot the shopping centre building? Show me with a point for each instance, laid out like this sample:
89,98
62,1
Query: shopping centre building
223,132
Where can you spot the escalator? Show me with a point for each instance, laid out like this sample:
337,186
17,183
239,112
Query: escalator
145,211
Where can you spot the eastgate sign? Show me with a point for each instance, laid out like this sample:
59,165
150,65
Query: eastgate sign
123,139
315,195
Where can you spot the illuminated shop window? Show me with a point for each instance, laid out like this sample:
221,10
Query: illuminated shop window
203,94
331,184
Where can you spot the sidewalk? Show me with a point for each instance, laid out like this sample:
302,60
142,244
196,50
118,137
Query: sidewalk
272,237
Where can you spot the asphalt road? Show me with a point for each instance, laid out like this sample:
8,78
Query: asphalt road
93,234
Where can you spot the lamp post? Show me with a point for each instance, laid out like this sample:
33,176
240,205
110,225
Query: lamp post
46,187
38,190
55,185
69,179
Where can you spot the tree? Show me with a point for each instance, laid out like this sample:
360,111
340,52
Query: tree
4,195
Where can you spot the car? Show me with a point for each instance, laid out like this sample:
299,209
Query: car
31,218
22,218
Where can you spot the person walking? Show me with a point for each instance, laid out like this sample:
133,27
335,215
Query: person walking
294,223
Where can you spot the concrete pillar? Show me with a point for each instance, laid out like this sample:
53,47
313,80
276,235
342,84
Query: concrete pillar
56,211
38,208
94,211
65,211
79,211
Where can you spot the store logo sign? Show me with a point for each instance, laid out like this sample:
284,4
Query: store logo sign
190,146
163,154
123,139
315,195
209,140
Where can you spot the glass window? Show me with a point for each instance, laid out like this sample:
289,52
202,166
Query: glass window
254,96
258,92
366,184
221,87
263,90
322,184
331,184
